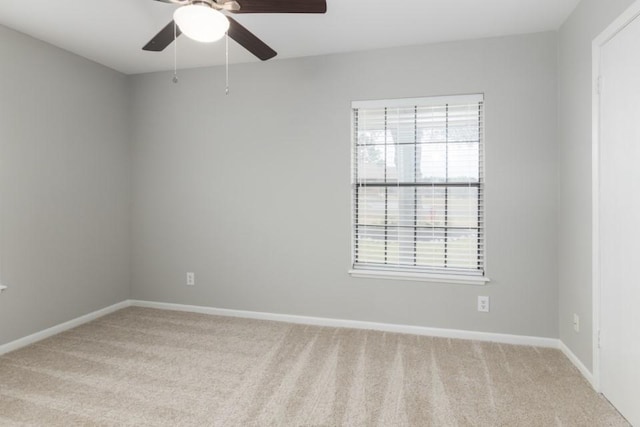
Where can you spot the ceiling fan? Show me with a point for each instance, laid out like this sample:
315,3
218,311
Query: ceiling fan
203,20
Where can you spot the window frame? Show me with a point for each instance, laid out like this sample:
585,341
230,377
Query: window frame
423,274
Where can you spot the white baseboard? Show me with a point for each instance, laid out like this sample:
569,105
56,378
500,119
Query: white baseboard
578,364
357,324
386,327
38,336
308,320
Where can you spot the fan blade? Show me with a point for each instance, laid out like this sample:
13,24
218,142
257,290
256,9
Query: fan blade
249,41
163,38
282,6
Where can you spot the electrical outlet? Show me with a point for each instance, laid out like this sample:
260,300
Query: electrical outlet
576,322
483,304
191,279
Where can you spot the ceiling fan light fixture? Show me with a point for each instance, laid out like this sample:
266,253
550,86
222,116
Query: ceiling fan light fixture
201,22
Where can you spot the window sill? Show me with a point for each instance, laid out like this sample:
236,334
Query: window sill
2,288
421,277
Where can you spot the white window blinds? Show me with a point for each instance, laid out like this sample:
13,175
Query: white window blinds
418,185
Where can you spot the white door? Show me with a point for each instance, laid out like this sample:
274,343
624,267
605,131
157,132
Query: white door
619,212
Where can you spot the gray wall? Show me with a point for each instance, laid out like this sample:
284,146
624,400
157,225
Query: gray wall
589,19
213,177
64,186
252,191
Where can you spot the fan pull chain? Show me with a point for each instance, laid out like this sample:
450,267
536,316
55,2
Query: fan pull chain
226,57
175,53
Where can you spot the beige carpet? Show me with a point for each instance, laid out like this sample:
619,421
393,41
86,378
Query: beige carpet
152,367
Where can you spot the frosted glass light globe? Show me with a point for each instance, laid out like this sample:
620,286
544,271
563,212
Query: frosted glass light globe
201,23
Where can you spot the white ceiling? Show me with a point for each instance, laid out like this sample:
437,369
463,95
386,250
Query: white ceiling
112,32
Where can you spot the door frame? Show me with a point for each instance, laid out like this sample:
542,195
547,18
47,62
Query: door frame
598,44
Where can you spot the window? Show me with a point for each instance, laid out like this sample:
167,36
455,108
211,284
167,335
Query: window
418,188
